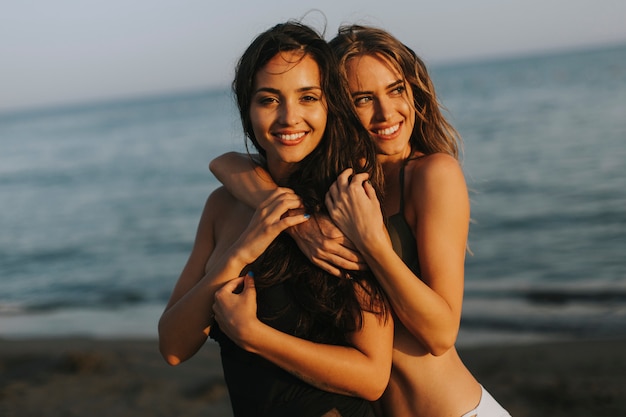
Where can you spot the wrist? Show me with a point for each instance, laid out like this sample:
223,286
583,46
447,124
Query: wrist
374,243
238,259
252,335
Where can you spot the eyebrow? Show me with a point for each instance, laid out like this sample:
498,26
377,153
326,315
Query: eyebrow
276,91
388,87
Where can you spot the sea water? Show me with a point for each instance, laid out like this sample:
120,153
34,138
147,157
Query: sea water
100,202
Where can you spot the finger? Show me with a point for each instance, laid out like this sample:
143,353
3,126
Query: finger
289,221
293,200
282,204
329,200
349,253
279,216
359,178
369,190
328,267
344,178
343,264
249,287
344,257
231,286
285,190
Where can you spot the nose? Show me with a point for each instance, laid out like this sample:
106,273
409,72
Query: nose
383,108
288,113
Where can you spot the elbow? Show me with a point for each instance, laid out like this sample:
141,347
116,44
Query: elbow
375,393
439,350
167,352
213,165
171,360
216,163
441,345
377,385
167,348
170,357
376,389
176,345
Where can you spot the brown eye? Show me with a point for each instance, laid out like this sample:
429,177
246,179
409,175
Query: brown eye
310,99
362,101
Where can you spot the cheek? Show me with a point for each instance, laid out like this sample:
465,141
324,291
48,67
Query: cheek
320,118
410,113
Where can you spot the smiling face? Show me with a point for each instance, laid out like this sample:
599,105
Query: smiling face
383,103
288,110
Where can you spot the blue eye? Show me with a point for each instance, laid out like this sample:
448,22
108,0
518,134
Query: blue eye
399,90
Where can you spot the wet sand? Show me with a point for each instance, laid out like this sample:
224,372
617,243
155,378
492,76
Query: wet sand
85,377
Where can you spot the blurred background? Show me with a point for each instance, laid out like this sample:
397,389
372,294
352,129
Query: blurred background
111,111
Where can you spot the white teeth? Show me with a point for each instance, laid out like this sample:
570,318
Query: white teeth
389,130
293,136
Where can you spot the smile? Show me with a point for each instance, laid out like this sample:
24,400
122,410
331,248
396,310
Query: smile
291,136
388,131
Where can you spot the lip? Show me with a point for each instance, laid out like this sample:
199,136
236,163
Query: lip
387,132
290,138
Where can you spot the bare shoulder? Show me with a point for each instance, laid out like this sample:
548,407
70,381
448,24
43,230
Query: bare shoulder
438,168
222,205
221,197
434,184
222,221
435,163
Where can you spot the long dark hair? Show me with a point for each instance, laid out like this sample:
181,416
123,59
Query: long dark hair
432,132
329,307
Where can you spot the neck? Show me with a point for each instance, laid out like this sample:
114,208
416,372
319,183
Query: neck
391,163
280,172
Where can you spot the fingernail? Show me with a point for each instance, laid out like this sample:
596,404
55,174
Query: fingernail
307,216
251,274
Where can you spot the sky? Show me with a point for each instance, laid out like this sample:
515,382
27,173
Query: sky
64,52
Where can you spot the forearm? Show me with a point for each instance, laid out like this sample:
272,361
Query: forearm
186,321
184,327
243,178
424,312
339,369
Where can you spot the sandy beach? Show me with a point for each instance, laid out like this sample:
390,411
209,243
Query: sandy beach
86,377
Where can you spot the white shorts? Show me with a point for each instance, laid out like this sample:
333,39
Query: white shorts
487,407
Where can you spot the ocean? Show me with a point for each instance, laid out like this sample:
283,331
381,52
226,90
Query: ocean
100,201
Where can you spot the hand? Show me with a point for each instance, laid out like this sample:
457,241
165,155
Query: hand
324,244
354,207
235,309
276,214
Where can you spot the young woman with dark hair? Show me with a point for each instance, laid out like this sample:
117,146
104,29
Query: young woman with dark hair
326,342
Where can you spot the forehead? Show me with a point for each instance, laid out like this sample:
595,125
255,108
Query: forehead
292,67
371,70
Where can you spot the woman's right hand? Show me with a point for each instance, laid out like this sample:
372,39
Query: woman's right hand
326,246
353,205
235,309
280,211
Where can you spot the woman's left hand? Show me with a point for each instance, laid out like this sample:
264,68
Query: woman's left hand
353,205
235,309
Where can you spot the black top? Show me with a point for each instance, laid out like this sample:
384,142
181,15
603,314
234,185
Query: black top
401,235
259,388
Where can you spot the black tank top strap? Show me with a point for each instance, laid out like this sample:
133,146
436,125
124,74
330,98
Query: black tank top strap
404,164
406,161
